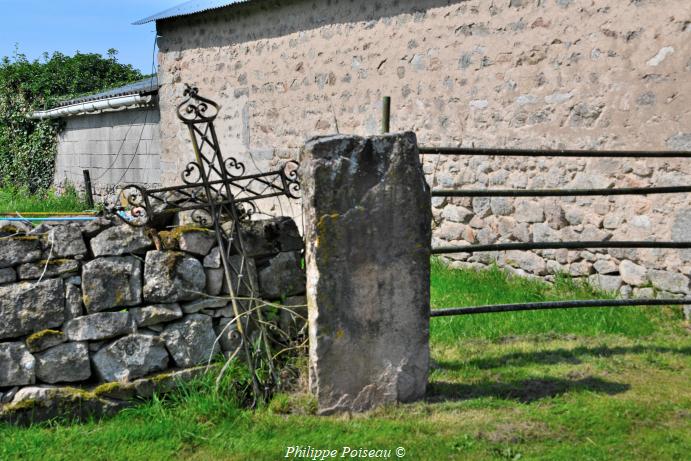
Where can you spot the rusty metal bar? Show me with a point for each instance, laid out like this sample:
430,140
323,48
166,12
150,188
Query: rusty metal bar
558,192
557,246
495,308
551,153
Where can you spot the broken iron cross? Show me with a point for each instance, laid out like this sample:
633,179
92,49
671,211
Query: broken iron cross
221,196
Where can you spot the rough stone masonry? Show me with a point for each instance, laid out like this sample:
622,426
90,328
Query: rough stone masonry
367,228
578,74
95,316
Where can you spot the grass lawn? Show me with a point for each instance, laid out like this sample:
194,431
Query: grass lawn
18,200
594,384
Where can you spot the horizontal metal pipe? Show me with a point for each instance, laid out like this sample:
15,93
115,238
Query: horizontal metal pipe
557,305
551,153
558,192
556,246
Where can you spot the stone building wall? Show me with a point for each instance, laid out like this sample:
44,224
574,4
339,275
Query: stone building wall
512,73
116,147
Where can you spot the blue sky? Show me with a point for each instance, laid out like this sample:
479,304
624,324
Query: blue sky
84,25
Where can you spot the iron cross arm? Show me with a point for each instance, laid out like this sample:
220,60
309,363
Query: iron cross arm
211,184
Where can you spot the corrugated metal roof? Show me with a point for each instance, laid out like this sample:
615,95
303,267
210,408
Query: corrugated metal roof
191,7
145,86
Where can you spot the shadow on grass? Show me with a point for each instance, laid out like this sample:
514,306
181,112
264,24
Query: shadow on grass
524,391
555,356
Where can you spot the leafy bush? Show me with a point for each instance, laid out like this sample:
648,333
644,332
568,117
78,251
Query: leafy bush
27,147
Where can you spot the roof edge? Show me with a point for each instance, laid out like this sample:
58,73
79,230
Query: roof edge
189,8
142,87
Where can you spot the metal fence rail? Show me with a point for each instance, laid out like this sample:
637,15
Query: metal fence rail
558,192
553,153
580,304
557,246
569,245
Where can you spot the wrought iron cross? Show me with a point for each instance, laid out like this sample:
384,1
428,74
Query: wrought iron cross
221,196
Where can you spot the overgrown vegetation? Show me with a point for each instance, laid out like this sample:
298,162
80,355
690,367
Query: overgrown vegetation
14,199
27,147
552,385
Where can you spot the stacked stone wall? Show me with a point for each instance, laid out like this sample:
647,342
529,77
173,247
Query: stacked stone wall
82,306
571,74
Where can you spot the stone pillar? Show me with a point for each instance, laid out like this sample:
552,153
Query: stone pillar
367,219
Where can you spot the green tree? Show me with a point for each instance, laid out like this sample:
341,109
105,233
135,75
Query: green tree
27,147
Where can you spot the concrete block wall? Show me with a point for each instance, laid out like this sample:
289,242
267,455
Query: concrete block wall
116,147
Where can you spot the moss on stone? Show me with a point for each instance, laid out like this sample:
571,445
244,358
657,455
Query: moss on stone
168,241
107,387
172,261
327,225
62,394
42,334
34,341
77,392
181,230
27,404
119,297
117,390
25,237
10,229
54,262
171,239
162,377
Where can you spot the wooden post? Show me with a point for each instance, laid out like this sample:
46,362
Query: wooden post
88,189
386,114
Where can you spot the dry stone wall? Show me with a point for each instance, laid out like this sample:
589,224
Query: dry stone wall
84,305
513,73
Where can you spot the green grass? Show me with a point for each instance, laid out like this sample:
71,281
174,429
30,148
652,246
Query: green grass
454,288
20,200
577,385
